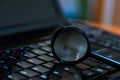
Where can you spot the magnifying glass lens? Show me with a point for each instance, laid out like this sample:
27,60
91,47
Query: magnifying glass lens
70,46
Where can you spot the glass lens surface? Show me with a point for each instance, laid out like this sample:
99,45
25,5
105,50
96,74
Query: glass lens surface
70,46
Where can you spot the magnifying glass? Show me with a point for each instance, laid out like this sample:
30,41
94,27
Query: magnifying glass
70,45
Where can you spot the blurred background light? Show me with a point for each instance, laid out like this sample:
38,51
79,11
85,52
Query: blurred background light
100,11
71,8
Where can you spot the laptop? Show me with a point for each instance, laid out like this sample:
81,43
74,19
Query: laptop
26,27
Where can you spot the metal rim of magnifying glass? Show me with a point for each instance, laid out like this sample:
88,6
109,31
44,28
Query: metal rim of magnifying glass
64,29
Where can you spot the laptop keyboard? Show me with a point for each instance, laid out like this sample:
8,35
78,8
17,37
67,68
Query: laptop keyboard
34,62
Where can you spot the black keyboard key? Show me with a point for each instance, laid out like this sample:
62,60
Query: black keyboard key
46,48
34,46
38,51
36,78
51,54
42,44
54,77
115,76
29,73
12,57
29,54
2,62
116,48
113,55
89,73
91,63
43,76
49,64
16,76
95,47
61,73
15,68
116,54
46,58
108,67
40,69
99,70
6,67
103,50
83,66
24,64
56,61
103,43
74,76
68,69
48,42
35,61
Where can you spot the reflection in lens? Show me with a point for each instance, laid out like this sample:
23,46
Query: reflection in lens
70,46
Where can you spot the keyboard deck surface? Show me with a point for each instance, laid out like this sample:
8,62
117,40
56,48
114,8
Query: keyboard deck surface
35,61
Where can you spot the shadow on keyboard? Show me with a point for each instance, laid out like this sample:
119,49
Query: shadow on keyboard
33,62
